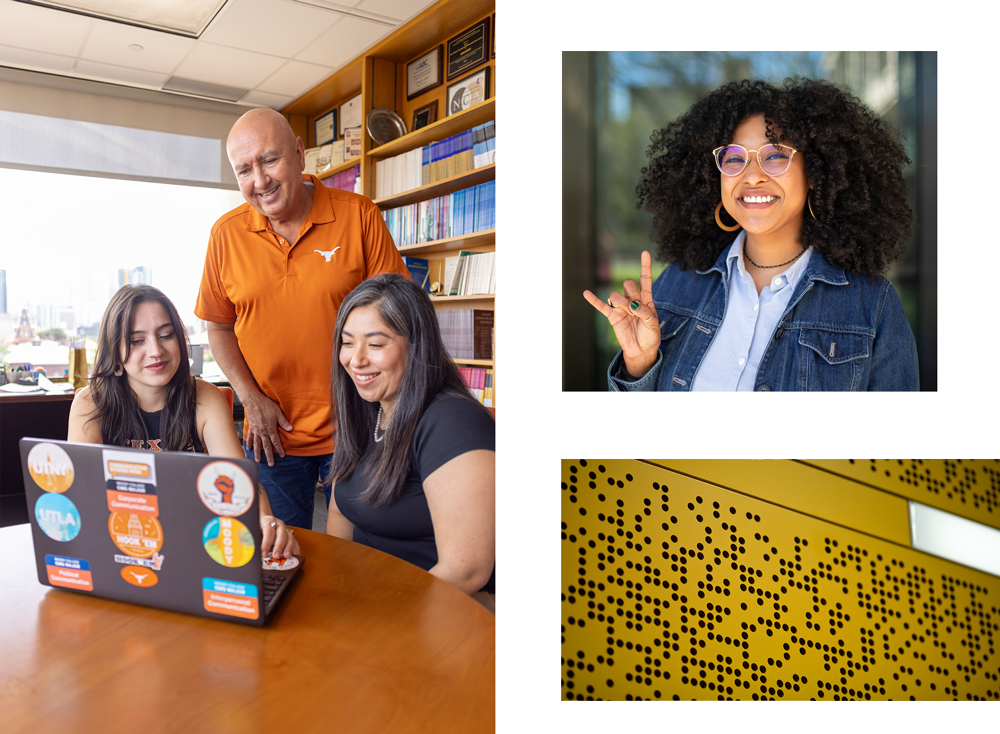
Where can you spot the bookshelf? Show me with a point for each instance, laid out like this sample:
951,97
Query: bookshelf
379,76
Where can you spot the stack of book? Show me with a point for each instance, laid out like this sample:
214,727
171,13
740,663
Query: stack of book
469,274
452,156
453,215
467,333
349,180
418,268
479,380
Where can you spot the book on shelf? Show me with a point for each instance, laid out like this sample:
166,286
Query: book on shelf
452,156
484,143
349,180
419,272
467,333
471,274
479,380
460,213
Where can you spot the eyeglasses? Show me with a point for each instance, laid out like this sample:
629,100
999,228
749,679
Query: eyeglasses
774,160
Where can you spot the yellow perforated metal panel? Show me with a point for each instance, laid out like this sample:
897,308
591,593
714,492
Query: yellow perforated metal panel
963,487
675,588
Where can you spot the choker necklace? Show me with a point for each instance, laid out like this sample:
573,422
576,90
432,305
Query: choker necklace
377,421
765,267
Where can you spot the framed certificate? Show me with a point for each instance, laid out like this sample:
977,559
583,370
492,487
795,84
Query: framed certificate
325,128
424,116
472,90
469,49
424,73
350,114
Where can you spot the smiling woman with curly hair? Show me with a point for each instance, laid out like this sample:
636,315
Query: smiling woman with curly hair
810,181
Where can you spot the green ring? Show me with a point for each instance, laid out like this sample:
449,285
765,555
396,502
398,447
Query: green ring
634,305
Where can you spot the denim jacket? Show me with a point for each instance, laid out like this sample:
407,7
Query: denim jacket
840,332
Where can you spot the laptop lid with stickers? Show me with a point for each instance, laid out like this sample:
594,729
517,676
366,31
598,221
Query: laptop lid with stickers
173,530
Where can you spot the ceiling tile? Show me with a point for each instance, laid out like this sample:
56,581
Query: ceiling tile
276,28
229,66
274,101
294,78
109,44
42,29
396,9
11,56
119,74
341,43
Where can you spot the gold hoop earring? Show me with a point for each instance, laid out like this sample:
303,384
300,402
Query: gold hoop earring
809,204
119,371
718,220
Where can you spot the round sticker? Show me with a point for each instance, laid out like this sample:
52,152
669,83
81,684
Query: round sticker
58,517
50,467
280,564
139,576
138,535
225,489
228,541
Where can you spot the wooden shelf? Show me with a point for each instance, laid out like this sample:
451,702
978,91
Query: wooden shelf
439,188
453,299
345,166
465,242
475,115
475,362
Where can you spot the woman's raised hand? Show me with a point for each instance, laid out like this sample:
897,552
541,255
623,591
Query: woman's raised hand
634,319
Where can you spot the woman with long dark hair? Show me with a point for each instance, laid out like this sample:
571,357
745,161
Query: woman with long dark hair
142,395
780,209
413,474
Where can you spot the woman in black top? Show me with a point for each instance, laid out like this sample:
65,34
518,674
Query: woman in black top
413,474
142,395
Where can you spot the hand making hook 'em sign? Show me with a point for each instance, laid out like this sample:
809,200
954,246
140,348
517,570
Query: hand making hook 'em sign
634,319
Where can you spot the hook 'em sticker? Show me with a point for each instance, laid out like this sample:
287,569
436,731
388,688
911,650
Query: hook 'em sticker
228,541
225,489
50,467
138,535
58,517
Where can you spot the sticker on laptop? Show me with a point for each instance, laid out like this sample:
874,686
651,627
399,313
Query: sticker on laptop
139,576
225,489
58,517
228,541
70,573
50,466
130,471
140,536
232,598
277,563
155,562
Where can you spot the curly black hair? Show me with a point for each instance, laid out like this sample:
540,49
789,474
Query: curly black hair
853,158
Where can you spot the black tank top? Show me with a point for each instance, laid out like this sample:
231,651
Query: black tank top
152,423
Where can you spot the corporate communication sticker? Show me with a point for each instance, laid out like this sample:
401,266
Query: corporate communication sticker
58,517
71,573
230,597
228,541
225,489
50,467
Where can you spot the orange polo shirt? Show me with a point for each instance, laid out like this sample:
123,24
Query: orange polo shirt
284,299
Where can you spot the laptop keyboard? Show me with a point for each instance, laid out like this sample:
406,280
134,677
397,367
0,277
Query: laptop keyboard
272,585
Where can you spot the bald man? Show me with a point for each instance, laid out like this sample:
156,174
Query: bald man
276,270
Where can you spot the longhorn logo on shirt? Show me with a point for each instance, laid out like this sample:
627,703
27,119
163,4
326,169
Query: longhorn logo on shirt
328,254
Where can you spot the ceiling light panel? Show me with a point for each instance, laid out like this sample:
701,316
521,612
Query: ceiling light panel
187,17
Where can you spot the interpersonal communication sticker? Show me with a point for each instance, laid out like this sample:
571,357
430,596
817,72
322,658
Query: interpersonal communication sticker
228,541
71,573
50,467
138,535
230,597
139,576
58,517
225,489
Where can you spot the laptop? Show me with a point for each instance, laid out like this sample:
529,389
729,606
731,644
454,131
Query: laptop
168,529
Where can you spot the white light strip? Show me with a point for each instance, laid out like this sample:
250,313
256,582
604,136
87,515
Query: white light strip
955,538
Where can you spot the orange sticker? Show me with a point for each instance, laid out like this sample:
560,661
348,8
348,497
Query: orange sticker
139,576
128,469
50,467
138,535
130,502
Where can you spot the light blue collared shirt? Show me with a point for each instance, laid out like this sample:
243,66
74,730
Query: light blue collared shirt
732,360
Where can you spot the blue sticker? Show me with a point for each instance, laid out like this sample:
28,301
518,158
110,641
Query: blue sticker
228,587
58,517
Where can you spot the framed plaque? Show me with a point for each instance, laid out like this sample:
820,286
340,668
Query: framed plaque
350,114
424,116
469,49
493,53
324,128
424,73
472,90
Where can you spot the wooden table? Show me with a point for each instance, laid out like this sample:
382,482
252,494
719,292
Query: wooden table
363,642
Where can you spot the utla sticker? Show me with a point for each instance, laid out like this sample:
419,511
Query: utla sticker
228,541
225,489
232,598
58,517
50,467
70,573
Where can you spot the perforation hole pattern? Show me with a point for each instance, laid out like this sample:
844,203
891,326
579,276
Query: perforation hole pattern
676,589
